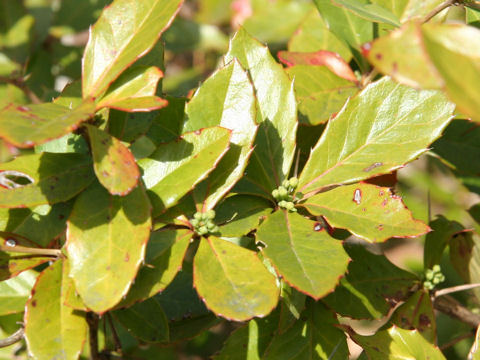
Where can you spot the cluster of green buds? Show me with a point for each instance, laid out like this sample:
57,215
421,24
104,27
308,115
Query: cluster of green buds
203,223
433,277
284,194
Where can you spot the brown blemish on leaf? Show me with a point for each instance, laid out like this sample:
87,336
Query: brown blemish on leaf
380,227
127,257
373,166
424,321
34,303
378,56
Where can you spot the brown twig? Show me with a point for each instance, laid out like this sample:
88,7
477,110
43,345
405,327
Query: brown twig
20,83
439,9
92,320
116,339
456,340
454,309
453,289
12,339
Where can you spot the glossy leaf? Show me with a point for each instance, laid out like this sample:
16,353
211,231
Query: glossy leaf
240,214
232,281
114,164
347,26
174,168
474,352
276,113
309,260
320,93
417,313
370,212
401,54
55,178
372,12
29,125
314,336
165,252
134,84
125,31
14,292
226,99
459,43
407,10
386,285
53,330
313,35
357,144
396,343
107,245
146,321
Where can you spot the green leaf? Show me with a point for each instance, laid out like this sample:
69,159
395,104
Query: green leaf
167,125
175,167
320,93
119,37
43,224
232,281
396,344
370,212
401,54
406,10
276,111
225,99
371,280
114,164
13,263
352,29
239,214
55,178
106,247
474,352
314,336
465,257
461,44
134,86
53,330
14,292
459,146
146,321
417,313
29,125
164,256
438,239
357,144
313,35
70,143
371,12
310,261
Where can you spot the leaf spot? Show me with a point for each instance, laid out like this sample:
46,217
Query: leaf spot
357,196
373,166
317,227
380,227
34,303
127,257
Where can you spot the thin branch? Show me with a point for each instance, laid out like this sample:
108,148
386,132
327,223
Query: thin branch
92,320
453,289
454,309
12,339
456,340
20,83
116,338
439,9
31,251
369,77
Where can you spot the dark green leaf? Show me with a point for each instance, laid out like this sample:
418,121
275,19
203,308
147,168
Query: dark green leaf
371,12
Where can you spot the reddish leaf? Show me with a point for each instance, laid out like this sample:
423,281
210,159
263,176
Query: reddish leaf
320,58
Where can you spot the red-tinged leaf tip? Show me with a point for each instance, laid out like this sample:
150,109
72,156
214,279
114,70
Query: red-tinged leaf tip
365,49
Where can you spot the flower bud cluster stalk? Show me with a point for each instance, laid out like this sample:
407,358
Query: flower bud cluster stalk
284,194
433,277
203,223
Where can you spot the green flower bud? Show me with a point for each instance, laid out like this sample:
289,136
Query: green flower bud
282,203
282,192
289,205
286,184
210,214
275,194
194,222
210,226
197,216
293,182
202,230
436,268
